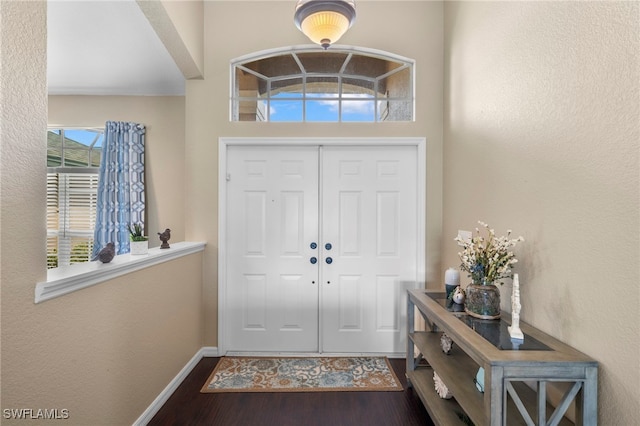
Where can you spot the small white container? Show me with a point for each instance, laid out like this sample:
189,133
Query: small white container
139,247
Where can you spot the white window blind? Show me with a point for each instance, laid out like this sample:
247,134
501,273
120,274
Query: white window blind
71,214
73,160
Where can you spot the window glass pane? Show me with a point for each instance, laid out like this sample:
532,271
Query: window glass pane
52,252
249,85
94,157
74,157
275,66
75,138
359,109
397,85
367,66
54,148
351,86
286,107
396,111
80,250
241,83
323,110
322,99
251,110
322,87
288,85
320,62
54,157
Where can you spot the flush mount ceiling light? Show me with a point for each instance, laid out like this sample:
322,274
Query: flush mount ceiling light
324,21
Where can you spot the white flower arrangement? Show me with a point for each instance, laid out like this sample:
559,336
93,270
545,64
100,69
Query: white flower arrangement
488,260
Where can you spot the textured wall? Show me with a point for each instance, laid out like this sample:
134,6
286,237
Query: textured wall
103,353
542,137
417,33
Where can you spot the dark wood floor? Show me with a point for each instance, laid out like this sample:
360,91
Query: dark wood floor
187,406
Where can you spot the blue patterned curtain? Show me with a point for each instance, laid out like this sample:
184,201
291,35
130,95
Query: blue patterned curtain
120,185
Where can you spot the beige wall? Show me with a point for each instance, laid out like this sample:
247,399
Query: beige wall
188,18
163,117
179,25
231,32
104,353
542,137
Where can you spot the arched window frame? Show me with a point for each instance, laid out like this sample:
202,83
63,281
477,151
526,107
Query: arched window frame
381,102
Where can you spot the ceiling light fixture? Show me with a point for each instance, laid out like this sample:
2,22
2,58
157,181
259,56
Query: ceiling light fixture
324,21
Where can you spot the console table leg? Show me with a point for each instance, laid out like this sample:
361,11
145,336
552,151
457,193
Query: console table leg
542,402
410,360
587,400
495,396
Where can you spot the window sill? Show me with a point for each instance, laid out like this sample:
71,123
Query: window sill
67,279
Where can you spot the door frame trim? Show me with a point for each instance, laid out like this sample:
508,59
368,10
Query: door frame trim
225,142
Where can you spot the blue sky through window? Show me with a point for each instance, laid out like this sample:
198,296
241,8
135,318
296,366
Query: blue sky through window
85,137
287,107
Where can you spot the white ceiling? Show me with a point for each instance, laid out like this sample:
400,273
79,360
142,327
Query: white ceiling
106,48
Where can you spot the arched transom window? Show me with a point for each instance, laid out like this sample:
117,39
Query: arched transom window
311,85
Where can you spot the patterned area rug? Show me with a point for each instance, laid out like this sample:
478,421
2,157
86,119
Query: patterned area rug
258,374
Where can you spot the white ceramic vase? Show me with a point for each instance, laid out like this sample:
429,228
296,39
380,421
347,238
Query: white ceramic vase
139,247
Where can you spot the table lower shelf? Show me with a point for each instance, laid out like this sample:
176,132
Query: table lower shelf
442,411
457,371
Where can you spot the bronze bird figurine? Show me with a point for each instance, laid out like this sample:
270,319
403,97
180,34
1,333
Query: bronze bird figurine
164,237
107,254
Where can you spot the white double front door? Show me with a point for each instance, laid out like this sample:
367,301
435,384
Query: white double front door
321,245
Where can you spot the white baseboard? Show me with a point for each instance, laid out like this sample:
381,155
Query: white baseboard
210,352
204,352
